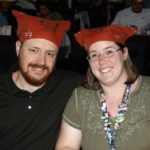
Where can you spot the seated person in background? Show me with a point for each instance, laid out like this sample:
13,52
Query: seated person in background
138,17
112,108
4,9
46,10
33,97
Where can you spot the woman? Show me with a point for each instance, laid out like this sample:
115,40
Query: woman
112,108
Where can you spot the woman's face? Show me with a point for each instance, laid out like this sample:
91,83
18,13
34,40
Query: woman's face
107,62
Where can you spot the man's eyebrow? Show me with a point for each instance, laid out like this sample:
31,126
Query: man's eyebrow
35,47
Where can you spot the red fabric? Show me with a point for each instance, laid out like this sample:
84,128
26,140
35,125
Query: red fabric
35,27
115,33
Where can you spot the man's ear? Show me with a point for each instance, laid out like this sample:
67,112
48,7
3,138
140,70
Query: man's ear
18,46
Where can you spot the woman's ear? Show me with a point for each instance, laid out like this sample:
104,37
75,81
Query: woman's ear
125,53
18,46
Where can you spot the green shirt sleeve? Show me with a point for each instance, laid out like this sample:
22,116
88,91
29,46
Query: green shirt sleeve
71,113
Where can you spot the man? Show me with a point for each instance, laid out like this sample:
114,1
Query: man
135,16
33,97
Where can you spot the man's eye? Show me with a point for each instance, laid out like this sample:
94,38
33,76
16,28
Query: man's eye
33,50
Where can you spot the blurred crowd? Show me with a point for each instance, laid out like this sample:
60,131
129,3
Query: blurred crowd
99,13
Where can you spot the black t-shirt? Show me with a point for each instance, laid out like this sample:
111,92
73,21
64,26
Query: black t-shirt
31,121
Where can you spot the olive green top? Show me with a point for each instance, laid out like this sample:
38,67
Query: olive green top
83,112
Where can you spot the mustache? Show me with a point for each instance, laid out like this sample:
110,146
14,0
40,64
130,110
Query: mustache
38,66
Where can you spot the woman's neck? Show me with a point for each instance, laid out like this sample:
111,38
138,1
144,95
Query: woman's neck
114,94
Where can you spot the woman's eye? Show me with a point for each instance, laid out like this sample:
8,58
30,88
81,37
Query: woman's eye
94,55
109,52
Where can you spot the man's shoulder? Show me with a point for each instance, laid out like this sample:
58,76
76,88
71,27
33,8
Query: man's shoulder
146,11
125,11
4,79
3,76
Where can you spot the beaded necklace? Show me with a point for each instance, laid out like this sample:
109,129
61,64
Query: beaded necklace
111,130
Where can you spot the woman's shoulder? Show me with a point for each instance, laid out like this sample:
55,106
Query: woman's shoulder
143,86
146,80
83,93
82,89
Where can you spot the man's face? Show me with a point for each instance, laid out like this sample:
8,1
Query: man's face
37,58
137,5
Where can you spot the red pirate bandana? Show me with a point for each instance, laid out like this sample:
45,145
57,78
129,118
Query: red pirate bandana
115,33
35,27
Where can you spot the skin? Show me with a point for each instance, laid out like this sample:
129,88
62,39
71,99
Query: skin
69,138
111,74
108,71
37,58
137,5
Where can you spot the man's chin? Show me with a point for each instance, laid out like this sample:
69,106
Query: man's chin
36,82
35,79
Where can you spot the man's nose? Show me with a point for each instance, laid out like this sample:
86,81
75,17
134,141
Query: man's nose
42,59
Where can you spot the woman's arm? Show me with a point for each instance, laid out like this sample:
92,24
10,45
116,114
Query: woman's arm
69,138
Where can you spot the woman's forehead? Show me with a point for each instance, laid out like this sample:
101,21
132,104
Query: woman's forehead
102,44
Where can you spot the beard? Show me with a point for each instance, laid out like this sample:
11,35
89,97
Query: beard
33,79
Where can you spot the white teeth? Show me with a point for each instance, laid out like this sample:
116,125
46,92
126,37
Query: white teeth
105,70
38,69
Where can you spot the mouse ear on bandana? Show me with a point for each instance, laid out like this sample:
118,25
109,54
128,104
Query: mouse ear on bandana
116,33
35,27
